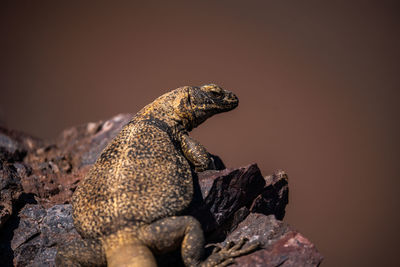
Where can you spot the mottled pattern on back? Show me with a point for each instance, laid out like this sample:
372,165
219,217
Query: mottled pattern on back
140,177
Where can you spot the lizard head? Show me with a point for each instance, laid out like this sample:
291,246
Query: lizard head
200,103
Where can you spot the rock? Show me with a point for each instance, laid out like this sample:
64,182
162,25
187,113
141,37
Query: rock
12,141
280,244
231,194
12,198
51,187
230,190
274,196
86,141
30,218
58,167
10,183
40,231
39,177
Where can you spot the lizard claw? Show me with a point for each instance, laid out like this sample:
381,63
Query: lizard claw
217,247
224,255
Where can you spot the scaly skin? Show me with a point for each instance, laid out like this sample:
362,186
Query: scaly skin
130,204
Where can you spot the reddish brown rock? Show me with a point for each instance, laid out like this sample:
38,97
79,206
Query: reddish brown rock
280,244
57,167
84,143
274,196
230,190
10,183
230,195
12,141
223,194
51,187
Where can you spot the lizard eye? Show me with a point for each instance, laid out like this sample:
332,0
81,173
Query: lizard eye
217,94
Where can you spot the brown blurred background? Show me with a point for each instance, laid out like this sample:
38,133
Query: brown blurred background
318,85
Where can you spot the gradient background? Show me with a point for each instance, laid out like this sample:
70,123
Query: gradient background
318,85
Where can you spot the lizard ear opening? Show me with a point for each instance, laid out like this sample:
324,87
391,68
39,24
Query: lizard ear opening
183,106
189,101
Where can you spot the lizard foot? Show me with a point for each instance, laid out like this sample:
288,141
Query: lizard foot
224,255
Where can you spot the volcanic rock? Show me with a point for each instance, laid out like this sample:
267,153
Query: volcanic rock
39,233
280,244
10,183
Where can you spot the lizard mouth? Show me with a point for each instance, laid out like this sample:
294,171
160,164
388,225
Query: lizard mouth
230,101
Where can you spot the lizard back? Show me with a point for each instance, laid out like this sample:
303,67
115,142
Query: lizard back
141,176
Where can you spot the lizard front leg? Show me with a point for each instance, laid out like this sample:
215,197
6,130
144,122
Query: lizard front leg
196,153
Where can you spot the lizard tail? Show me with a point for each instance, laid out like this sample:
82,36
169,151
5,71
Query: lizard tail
124,250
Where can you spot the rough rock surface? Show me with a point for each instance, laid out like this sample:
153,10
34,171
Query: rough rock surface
10,184
38,178
281,245
39,232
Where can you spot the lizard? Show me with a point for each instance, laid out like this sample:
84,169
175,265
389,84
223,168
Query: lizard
131,203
